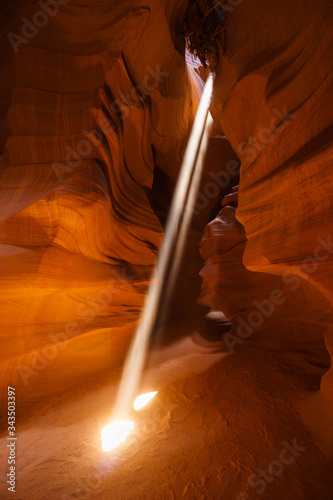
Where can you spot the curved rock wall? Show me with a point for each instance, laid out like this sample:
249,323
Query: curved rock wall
99,97
271,99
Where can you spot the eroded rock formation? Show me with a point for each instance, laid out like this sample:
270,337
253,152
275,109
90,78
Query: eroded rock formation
271,97
98,99
95,105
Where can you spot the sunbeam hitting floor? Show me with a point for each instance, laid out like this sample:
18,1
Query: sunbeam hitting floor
216,359
206,433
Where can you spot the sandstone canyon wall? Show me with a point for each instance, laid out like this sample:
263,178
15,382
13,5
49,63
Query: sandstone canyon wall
99,104
98,97
272,99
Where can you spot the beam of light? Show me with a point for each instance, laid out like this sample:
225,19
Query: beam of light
187,216
142,400
115,433
178,220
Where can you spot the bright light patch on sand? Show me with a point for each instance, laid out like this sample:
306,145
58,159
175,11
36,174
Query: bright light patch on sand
115,433
178,222
142,400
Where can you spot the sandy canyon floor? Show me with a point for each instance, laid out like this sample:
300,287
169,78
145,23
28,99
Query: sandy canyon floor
219,422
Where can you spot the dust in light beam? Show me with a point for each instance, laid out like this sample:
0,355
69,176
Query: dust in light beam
179,218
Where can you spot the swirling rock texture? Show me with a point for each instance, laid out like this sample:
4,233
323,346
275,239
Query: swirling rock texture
260,302
271,101
271,95
97,105
92,103
101,105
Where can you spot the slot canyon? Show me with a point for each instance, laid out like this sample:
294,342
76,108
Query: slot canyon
98,101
